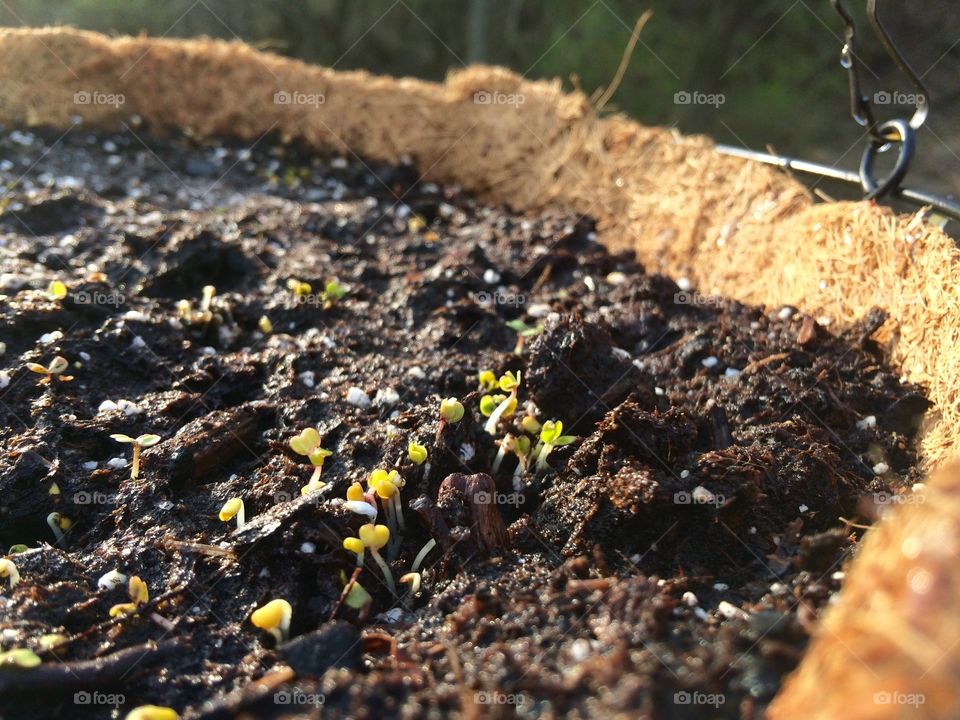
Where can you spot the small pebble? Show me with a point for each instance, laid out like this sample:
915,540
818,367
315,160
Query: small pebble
358,398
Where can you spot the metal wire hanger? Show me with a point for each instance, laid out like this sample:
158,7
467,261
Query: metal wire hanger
897,132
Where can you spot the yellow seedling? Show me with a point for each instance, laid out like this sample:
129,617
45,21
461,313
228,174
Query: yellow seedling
530,424
207,299
50,640
53,371
266,327
416,453
22,658
451,410
360,503
139,595
9,571
299,289
152,712
139,443
508,383
387,486
356,546
274,617
307,443
375,537
233,508
59,524
488,381
56,290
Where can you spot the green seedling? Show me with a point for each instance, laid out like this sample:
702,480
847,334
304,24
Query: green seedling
59,524
356,596
53,371
375,537
139,443
233,508
274,617
333,291
508,383
21,658
530,424
551,436
17,549
9,572
488,381
50,640
523,331
307,443
451,410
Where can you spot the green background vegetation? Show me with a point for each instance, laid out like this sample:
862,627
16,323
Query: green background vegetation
775,61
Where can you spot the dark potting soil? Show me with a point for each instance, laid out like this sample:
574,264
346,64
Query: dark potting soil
671,562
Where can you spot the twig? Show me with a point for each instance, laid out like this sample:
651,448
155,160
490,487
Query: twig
624,61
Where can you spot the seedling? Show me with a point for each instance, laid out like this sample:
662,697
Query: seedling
375,537
9,571
507,444
266,327
139,595
531,424
523,331
414,577
22,658
204,315
59,524
50,640
488,381
152,712
298,288
451,410
416,453
233,508
508,383
274,617
53,371
139,443
551,436
356,596
356,546
307,443
387,486
56,290
332,292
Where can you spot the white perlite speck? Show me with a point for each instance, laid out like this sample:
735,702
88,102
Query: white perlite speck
689,599
880,468
386,397
117,463
308,378
4,379
684,284
730,611
416,372
803,508
491,276
870,421
308,547
106,406
785,313
50,337
709,362
358,398
90,465
731,373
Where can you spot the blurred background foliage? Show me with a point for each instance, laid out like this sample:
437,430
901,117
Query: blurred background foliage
776,62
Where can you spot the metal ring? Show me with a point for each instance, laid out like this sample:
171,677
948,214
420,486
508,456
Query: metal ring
898,132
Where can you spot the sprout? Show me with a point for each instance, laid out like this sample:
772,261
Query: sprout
307,443
53,371
414,577
375,537
332,292
387,486
22,658
9,570
152,712
274,617
357,597
551,436
17,549
266,327
299,289
208,292
51,640
139,595
508,383
488,381
451,410
416,453
523,331
140,442
233,508
56,290
354,545
186,312
59,524
530,424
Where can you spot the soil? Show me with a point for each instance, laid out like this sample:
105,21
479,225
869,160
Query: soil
671,562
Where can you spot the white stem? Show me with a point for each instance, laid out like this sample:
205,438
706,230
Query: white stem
518,477
241,517
385,569
542,460
491,426
422,555
398,508
135,470
497,460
